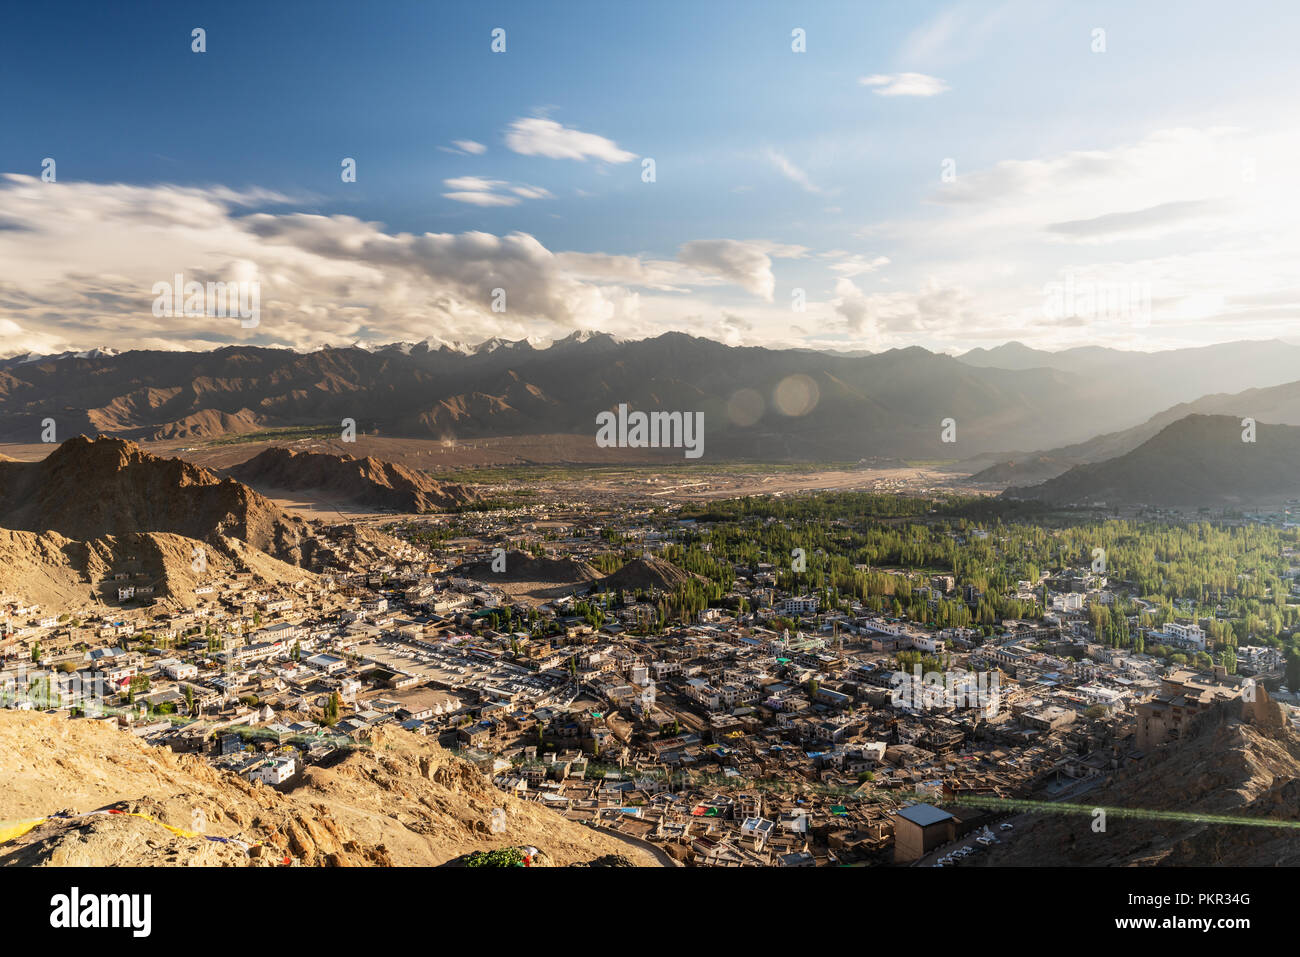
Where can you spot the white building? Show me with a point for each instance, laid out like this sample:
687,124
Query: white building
930,643
277,770
326,663
802,605
175,668
665,668
1068,601
1188,634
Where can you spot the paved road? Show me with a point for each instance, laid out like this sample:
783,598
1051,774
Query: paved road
663,857
969,841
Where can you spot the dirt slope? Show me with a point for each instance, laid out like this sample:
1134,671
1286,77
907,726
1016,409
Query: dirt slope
58,572
1223,767
403,801
208,423
647,573
522,567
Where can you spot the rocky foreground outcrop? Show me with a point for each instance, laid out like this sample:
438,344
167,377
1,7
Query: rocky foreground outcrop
399,800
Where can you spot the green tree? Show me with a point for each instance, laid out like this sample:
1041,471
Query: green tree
1293,669
332,709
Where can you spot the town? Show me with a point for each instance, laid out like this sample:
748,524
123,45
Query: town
724,706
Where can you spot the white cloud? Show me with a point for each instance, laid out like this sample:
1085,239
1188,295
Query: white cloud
792,172
478,191
1204,219
935,309
904,84
854,308
78,262
475,198
747,264
531,192
853,264
477,183
1149,223
464,148
537,136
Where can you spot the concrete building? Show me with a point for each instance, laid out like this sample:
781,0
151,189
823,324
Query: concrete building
919,829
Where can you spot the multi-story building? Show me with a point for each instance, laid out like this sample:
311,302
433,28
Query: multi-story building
1182,695
1191,635
798,605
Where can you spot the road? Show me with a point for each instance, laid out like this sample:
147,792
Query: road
662,856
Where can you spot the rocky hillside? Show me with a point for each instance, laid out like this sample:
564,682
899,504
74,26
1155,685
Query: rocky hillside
401,800
92,488
208,422
94,507
366,482
767,404
1224,766
64,573
646,573
1200,460
522,567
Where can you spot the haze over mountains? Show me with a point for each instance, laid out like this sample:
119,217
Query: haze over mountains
1278,405
1198,460
759,404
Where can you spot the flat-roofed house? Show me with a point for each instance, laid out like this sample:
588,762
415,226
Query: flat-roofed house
919,829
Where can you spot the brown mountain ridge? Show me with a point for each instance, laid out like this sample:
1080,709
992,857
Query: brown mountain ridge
367,482
814,405
1200,460
89,488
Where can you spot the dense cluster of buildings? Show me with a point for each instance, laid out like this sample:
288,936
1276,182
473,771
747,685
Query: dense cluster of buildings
731,739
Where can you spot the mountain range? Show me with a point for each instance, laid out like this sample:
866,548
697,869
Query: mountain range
1198,460
1278,405
759,404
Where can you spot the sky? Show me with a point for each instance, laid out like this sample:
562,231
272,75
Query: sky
839,175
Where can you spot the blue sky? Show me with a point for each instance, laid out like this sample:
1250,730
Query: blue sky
1121,171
